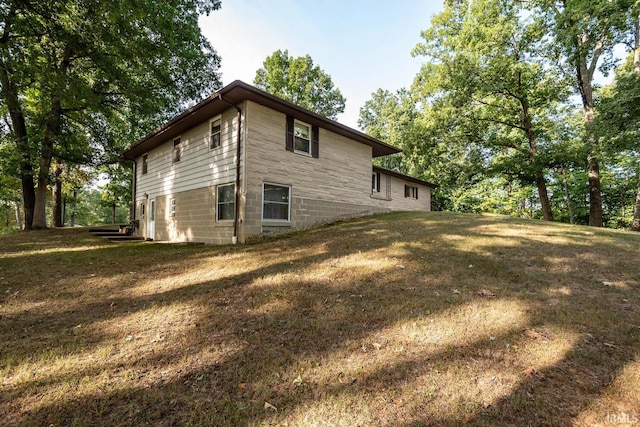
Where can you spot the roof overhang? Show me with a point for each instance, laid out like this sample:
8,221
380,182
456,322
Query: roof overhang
233,95
404,177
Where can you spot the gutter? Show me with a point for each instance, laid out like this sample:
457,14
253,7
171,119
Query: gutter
236,216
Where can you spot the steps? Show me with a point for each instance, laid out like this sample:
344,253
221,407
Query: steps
114,234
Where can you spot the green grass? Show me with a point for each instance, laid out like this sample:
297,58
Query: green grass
399,319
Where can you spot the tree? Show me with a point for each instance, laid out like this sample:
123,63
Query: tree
301,82
484,67
618,123
68,69
583,35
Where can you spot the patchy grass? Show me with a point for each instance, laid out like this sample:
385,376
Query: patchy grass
400,319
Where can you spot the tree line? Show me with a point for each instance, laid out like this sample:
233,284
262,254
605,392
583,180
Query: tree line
508,115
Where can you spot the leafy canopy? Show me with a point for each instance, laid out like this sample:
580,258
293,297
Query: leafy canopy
301,82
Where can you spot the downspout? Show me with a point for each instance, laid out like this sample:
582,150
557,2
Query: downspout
236,216
132,212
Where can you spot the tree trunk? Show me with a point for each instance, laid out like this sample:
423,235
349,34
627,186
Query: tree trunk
568,195
593,167
113,213
56,219
72,220
46,155
18,216
10,94
635,226
544,197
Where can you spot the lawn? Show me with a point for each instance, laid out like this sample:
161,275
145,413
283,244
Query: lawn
395,320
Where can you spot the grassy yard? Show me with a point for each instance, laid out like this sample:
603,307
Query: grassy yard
393,320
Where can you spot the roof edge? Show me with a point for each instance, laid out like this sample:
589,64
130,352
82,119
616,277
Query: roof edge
403,176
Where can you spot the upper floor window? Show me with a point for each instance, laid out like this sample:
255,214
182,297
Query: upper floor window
214,133
410,192
177,152
145,166
302,138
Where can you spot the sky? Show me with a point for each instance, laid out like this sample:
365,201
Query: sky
362,45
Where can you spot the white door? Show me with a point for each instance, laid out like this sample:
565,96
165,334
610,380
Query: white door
151,224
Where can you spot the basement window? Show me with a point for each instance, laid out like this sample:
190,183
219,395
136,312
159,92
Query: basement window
226,202
275,202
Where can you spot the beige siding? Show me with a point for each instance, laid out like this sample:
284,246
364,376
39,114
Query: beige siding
192,182
199,166
337,184
391,195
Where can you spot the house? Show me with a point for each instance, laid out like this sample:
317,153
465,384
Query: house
245,163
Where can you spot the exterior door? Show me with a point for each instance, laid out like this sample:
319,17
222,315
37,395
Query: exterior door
151,224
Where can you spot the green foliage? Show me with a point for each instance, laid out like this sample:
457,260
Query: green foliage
81,79
301,82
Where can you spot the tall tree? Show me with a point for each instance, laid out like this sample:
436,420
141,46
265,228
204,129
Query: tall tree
618,122
483,64
583,35
301,82
68,67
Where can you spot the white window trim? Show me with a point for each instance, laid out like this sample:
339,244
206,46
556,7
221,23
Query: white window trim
375,188
232,184
173,148
209,134
279,221
307,125
144,164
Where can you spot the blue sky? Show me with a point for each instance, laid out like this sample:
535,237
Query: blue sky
363,45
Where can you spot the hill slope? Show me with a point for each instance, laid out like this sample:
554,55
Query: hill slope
400,319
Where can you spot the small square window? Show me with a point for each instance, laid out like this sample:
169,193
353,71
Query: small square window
410,192
226,202
177,152
145,165
301,138
172,207
214,134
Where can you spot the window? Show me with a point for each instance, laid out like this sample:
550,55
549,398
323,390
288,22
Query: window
275,202
176,150
410,192
172,207
301,138
145,166
141,210
375,182
214,134
226,202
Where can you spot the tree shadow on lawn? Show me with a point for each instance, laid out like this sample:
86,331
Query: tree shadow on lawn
302,334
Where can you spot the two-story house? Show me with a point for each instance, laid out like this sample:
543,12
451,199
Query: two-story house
244,163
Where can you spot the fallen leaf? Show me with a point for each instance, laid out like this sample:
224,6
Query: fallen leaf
486,293
455,291
607,283
268,405
242,385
